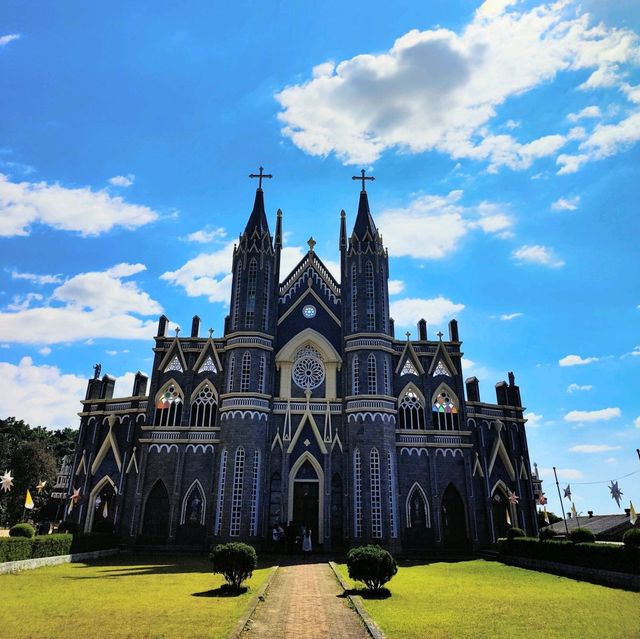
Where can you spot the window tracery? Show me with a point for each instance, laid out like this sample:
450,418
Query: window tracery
208,366
411,411
308,368
355,370
354,299
203,408
409,368
376,503
441,369
445,412
174,365
169,407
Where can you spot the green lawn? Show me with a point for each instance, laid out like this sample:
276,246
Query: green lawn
478,599
130,595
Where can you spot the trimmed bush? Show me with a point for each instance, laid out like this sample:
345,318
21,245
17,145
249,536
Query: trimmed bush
14,548
632,538
372,565
236,561
51,545
22,530
582,536
514,532
546,533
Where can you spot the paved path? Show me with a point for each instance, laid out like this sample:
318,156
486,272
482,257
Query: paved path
303,602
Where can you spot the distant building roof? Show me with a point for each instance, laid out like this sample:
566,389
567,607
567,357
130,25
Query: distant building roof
599,525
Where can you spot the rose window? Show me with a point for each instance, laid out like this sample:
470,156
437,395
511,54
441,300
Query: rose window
308,369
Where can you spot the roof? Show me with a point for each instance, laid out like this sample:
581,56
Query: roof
598,524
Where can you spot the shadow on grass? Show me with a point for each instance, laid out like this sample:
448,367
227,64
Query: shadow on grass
365,593
223,591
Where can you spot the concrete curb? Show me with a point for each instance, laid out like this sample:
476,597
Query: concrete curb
253,604
30,564
371,626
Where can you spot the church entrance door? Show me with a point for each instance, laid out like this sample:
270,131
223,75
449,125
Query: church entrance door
306,502
500,511
155,524
454,520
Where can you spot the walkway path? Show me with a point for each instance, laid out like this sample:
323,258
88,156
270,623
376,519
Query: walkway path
303,602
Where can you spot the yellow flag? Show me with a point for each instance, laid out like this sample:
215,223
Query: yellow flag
28,500
546,515
574,512
633,516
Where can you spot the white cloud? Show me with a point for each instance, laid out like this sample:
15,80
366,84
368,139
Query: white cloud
5,39
204,236
610,460
604,414
576,360
122,180
124,385
429,215
636,422
635,352
566,203
41,395
587,112
537,254
506,317
395,287
88,212
593,448
577,387
22,302
565,474
36,279
87,305
440,90
45,350
408,311
534,420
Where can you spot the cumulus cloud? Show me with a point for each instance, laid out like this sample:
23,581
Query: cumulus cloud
428,215
563,473
124,385
537,254
534,420
204,236
87,305
5,39
576,360
395,287
36,279
593,448
566,203
507,317
440,90
87,212
577,387
636,422
122,180
408,311
604,414
587,112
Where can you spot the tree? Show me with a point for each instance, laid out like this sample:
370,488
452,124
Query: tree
553,518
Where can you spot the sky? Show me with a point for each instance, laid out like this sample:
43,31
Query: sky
503,136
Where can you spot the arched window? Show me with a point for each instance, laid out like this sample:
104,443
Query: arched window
262,369
221,480
376,501
193,505
169,406
275,499
255,493
355,370
418,515
372,383
387,387
236,497
265,295
371,298
232,370
236,301
444,411
203,408
411,411
354,299
392,496
357,494
245,373
252,281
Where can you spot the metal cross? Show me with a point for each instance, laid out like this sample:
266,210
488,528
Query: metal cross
210,333
260,176
440,334
311,242
408,334
362,177
177,329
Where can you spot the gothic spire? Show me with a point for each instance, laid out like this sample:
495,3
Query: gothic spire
364,221
258,218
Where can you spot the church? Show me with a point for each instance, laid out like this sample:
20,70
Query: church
307,410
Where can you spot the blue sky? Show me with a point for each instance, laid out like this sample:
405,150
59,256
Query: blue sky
504,141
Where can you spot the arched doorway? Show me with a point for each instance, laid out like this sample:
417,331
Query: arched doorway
306,481
155,524
337,527
418,518
104,509
454,520
500,512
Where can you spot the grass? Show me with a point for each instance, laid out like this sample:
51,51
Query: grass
130,595
478,599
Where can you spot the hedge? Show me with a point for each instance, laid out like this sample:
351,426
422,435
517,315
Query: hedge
22,530
597,556
18,548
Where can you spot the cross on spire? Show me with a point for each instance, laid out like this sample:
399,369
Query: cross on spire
260,176
440,334
362,177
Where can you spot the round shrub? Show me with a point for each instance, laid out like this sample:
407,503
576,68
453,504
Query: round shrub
582,536
372,565
512,533
68,527
22,530
236,561
546,533
632,537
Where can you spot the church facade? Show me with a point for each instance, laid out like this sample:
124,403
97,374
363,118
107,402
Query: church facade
307,410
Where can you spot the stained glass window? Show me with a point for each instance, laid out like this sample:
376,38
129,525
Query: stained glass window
308,368
168,407
408,368
445,412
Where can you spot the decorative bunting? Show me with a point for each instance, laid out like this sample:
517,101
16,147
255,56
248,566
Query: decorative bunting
513,498
567,492
28,501
546,515
542,500
633,516
40,486
616,493
6,481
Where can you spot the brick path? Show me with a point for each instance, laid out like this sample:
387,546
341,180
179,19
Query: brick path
303,602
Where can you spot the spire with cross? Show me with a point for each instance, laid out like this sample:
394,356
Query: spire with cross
362,177
260,177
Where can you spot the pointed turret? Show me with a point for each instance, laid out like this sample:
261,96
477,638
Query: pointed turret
364,222
258,218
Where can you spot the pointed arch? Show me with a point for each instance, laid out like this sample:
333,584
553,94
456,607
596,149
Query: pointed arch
110,443
411,405
232,370
417,508
155,517
174,359
236,302
255,493
106,481
169,400
317,466
445,408
252,283
354,299
454,518
204,405
195,512
221,481
502,511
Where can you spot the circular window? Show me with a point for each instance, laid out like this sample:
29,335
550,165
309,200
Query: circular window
308,369
309,311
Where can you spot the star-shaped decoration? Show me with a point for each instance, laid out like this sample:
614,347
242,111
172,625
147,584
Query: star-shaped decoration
6,481
567,492
513,498
75,497
40,486
616,493
542,500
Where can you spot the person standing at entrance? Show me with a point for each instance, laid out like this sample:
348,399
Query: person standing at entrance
307,546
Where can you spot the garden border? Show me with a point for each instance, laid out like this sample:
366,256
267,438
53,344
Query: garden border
371,626
253,604
9,567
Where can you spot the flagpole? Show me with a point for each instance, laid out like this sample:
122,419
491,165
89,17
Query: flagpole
566,527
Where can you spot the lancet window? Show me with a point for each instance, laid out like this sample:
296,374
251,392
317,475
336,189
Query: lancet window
445,412
392,499
354,298
232,370
372,383
376,500
236,497
221,482
265,295
255,493
370,293
203,408
169,407
387,388
357,494
236,301
355,373
252,280
262,370
411,411
245,373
